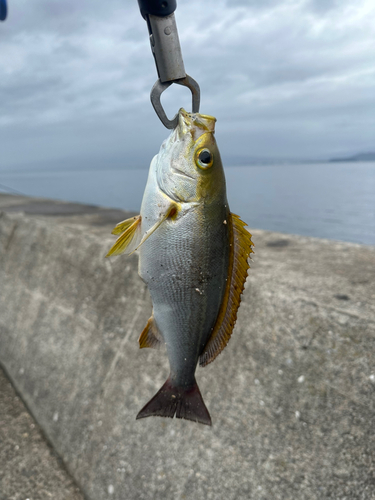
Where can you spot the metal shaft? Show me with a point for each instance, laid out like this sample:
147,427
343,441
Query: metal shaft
165,46
166,49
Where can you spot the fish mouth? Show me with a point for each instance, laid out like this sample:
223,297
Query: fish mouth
180,172
194,123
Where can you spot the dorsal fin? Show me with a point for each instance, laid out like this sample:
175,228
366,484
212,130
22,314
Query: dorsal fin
237,273
150,336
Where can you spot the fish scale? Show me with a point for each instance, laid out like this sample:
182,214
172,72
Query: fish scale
191,313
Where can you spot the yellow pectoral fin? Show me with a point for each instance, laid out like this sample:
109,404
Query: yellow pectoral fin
237,274
170,212
124,225
130,237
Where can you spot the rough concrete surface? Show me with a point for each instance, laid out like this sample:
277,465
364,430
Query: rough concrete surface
291,397
29,467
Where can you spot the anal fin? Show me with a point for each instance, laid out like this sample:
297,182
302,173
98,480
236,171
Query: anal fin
150,336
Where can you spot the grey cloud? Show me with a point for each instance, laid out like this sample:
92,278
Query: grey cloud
284,78
322,6
254,4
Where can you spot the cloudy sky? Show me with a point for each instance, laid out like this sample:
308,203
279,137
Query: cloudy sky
285,79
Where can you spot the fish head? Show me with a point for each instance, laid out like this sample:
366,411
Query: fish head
189,167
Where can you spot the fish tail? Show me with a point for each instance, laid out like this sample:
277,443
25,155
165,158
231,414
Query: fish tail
184,402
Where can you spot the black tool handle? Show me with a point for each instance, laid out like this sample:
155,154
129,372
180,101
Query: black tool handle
3,10
160,8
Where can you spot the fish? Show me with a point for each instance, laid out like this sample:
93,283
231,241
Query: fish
193,257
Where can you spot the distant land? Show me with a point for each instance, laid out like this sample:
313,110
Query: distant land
358,157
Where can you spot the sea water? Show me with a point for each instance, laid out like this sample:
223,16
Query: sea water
326,200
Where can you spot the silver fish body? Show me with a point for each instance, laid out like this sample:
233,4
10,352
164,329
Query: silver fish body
184,265
193,257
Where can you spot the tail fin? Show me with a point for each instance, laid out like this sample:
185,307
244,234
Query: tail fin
186,403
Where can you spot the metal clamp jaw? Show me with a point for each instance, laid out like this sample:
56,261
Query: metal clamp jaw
159,88
165,46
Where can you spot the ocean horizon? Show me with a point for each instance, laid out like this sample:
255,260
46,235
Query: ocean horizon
331,200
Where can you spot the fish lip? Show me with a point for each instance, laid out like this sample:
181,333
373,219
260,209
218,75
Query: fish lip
182,173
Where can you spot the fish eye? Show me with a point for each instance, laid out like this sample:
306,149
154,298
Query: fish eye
204,158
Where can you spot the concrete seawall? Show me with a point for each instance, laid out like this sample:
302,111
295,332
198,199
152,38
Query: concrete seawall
291,397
